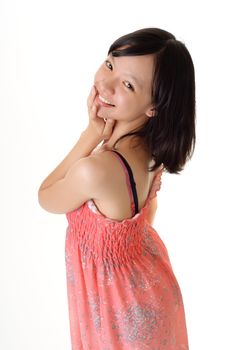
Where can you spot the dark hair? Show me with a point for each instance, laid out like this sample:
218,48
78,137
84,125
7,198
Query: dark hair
169,135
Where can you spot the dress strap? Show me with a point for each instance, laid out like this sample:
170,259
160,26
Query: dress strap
130,183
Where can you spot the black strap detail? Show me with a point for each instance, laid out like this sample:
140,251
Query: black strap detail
132,182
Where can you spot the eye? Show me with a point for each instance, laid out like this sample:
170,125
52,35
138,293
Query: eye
107,62
129,86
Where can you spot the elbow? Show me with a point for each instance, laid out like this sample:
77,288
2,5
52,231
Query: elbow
39,198
41,201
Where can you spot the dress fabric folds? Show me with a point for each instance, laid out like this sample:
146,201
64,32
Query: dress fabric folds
121,288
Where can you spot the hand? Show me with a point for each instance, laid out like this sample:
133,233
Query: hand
98,127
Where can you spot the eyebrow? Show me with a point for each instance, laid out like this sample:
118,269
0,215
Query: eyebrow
131,76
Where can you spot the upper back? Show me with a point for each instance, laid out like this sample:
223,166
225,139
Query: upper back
116,200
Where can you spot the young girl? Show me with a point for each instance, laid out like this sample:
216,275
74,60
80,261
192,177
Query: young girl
122,292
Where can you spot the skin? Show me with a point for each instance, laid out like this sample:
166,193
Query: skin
132,109
97,168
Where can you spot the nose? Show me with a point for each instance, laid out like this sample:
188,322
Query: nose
106,86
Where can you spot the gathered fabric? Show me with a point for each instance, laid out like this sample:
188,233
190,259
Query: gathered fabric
121,288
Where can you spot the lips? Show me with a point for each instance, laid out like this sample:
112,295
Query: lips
103,103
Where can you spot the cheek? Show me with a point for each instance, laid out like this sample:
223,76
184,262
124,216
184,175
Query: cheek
96,76
123,97
100,74
126,100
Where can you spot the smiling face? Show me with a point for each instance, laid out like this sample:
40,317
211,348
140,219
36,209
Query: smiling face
126,83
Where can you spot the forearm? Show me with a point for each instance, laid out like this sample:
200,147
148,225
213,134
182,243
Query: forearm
83,147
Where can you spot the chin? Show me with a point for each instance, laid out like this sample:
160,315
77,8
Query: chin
103,116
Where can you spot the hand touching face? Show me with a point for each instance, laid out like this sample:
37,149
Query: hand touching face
99,127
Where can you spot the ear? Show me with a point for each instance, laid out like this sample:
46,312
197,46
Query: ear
151,112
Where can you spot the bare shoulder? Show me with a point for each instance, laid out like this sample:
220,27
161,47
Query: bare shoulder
100,171
113,198
92,165
103,165
107,164
93,169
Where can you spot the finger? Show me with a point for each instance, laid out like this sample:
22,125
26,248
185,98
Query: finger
108,127
93,111
88,99
92,96
109,123
92,103
93,92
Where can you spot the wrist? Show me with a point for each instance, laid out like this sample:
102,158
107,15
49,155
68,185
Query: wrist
90,137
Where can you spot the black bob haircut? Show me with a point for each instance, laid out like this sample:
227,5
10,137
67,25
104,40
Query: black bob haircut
169,136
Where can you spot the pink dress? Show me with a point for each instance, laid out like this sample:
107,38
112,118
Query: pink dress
122,292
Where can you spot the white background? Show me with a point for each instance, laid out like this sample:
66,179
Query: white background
49,52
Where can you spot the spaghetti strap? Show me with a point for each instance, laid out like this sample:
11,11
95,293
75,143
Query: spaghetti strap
122,291
130,183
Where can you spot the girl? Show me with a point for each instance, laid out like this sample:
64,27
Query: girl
122,292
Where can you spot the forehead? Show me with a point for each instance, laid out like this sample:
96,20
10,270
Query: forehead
139,67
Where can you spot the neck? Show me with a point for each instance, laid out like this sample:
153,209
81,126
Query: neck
122,128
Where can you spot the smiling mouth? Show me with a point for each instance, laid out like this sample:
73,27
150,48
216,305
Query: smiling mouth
103,102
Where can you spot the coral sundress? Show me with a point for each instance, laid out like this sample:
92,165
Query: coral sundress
122,292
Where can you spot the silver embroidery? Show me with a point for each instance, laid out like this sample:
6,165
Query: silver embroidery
103,249
94,303
149,243
137,323
143,279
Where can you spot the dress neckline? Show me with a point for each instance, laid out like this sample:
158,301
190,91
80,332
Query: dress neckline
90,203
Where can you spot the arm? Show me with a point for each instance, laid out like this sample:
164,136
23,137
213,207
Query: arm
78,177
82,148
96,131
84,180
